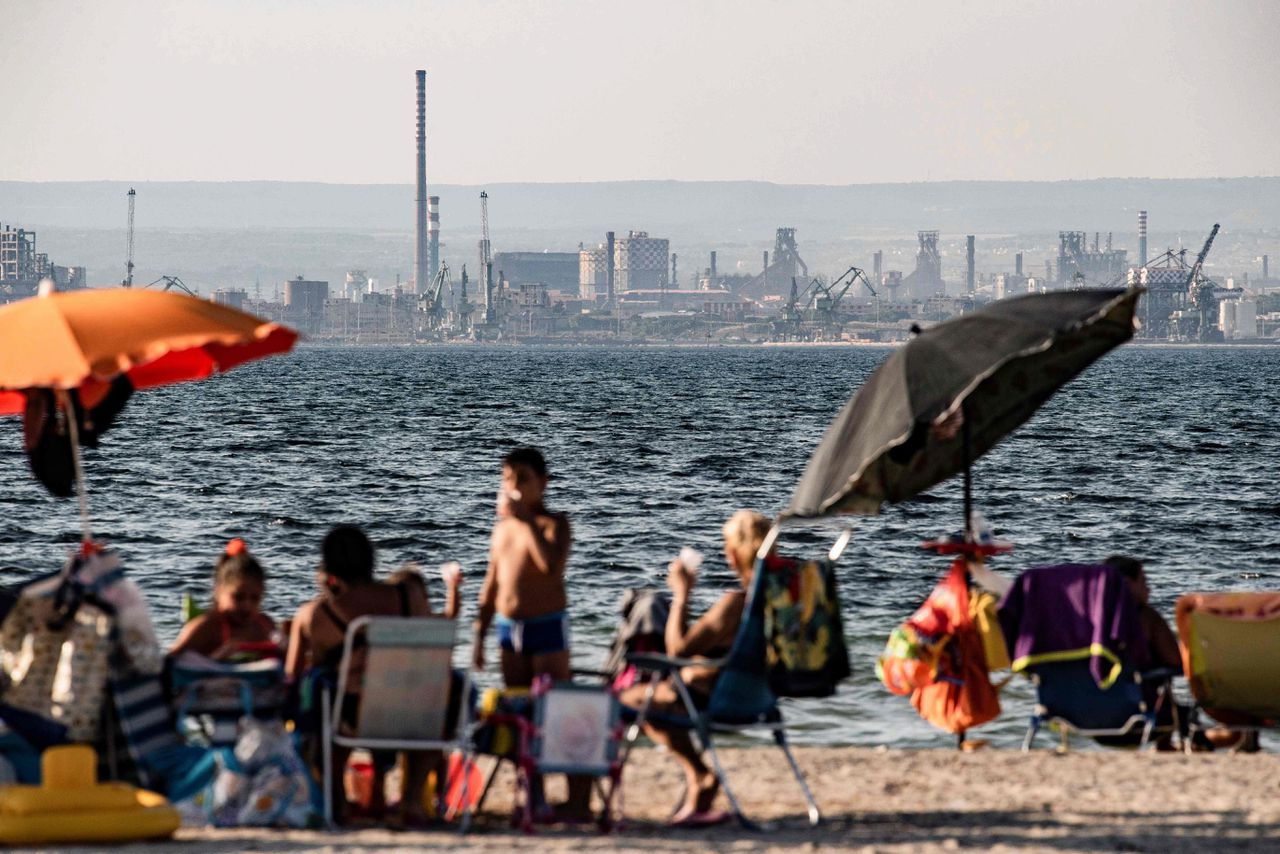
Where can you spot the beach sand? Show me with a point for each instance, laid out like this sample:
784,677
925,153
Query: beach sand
887,801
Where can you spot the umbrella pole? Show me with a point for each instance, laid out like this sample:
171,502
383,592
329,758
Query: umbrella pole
64,398
968,477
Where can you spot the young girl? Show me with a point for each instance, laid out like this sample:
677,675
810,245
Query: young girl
235,628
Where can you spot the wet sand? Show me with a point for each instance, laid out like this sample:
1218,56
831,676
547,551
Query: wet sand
888,801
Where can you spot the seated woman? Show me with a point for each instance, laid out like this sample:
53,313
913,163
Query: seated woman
710,636
349,590
235,629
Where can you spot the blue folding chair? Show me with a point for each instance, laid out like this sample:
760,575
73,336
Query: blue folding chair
741,701
1069,699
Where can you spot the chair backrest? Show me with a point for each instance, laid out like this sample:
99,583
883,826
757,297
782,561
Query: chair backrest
1068,690
577,729
407,670
1231,650
217,694
742,690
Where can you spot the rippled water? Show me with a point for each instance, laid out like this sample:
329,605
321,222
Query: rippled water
1171,454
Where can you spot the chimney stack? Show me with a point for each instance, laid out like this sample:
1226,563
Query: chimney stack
609,267
1266,274
968,276
433,234
1017,265
713,267
1142,238
877,266
421,264
675,282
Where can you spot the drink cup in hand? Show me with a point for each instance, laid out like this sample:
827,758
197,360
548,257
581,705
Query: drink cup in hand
506,497
691,559
451,572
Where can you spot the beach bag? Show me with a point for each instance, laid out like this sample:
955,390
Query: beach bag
805,652
57,664
982,613
909,660
912,653
961,696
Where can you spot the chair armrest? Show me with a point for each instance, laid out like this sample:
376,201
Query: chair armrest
665,663
1158,674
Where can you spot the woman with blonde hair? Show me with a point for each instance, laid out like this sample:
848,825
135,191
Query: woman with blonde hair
710,636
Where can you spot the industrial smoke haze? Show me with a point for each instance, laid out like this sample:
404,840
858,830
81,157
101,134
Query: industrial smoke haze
815,92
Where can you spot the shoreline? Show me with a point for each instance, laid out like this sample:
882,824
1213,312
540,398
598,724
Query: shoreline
623,344
883,800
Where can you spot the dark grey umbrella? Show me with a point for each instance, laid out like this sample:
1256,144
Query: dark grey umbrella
954,391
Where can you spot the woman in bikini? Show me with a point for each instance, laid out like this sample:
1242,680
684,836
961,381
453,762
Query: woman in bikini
710,636
349,591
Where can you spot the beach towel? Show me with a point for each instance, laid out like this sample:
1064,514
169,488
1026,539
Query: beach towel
1072,612
806,652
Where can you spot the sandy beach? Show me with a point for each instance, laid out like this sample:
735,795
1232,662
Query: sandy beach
888,801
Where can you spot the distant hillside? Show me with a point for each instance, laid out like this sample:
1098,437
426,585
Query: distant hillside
693,210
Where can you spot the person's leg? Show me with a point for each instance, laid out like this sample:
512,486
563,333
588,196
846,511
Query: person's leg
418,766
701,785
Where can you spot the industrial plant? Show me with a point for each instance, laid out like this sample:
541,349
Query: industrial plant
630,285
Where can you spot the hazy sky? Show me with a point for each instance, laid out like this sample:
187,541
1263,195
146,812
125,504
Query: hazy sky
795,92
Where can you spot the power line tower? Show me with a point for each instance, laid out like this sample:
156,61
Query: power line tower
128,261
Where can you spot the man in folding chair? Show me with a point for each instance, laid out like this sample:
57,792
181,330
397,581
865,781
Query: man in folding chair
708,696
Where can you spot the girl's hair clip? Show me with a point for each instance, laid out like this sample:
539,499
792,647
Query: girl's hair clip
236,547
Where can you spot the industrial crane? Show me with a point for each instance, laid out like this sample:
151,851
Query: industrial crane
434,298
826,298
1201,290
171,282
464,308
128,258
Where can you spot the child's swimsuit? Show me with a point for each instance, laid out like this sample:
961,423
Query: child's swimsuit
541,635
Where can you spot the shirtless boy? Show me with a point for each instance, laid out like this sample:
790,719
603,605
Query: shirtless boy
523,590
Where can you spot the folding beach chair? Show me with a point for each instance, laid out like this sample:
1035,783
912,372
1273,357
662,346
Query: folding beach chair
210,697
1069,699
743,699
1231,655
404,696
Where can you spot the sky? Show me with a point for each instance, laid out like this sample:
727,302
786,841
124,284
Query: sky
789,92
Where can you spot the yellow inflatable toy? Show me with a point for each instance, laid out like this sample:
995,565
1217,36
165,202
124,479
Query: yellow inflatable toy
70,805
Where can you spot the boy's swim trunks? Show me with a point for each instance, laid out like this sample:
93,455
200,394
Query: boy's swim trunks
535,636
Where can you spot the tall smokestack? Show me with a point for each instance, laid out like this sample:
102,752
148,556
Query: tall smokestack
713,267
433,232
968,275
1266,274
764,271
1017,264
675,282
877,265
1142,238
421,265
609,266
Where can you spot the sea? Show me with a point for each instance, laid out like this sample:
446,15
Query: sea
1170,454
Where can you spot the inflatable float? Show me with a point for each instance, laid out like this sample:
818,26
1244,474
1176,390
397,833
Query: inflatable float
70,805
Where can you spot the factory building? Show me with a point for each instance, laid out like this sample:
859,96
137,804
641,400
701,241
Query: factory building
556,271
234,297
925,282
776,274
640,262
1238,319
1098,266
593,272
305,296
22,267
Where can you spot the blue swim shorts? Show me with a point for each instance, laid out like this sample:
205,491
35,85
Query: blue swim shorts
535,636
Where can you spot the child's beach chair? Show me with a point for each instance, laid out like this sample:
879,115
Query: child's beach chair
403,697
1231,655
210,697
741,701
1069,700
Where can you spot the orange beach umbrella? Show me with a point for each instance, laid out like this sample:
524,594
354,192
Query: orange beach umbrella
83,339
